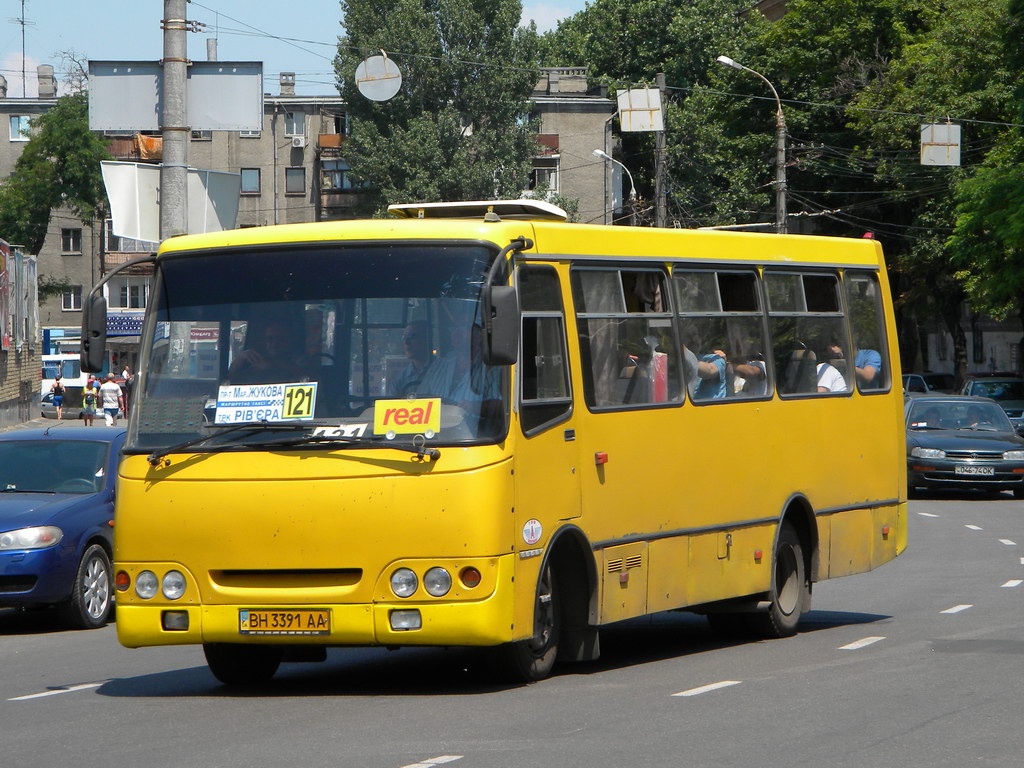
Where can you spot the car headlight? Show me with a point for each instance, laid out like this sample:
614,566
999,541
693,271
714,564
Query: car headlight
927,453
38,537
1014,455
146,584
403,582
173,585
437,582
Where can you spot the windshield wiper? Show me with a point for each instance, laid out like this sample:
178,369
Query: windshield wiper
419,447
23,490
257,426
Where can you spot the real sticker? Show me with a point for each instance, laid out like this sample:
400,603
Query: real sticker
532,531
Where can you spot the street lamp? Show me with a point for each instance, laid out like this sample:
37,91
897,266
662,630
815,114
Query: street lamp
632,187
780,146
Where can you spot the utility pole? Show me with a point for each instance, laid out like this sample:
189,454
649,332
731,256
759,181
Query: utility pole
660,207
174,168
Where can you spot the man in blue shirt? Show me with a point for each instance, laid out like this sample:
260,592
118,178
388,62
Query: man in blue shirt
711,371
868,364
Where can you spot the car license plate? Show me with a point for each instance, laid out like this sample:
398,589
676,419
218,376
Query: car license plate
968,469
279,621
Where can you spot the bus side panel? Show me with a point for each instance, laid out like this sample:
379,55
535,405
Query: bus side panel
851,542
668,573
624,581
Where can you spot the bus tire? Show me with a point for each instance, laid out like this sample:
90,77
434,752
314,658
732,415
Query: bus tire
92,597
527,661
790,589
236,664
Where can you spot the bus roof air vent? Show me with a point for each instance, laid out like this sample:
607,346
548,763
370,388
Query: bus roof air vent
487,210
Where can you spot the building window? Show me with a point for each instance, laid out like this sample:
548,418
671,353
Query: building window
71,241
71,299
294,124
295,181
20,125
336,176
250,134
202,135
129,292
250,181
545,173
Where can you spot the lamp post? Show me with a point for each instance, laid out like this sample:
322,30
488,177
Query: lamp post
632,187
780,146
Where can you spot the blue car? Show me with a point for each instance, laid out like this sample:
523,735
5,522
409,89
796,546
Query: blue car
56,520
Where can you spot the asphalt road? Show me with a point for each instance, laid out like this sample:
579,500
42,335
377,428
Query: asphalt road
919,663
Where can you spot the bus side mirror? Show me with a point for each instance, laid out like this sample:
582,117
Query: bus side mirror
501,340
94,334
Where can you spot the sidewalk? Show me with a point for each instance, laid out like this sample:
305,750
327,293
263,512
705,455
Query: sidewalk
41,423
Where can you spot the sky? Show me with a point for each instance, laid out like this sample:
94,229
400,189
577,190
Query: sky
286,35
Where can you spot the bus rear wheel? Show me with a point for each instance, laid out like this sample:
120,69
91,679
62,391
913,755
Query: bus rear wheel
242,664
790,592
526,661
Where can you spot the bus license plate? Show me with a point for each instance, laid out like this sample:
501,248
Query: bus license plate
968,469
305,621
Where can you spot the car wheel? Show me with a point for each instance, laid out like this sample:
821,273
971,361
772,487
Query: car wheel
236,664
92,600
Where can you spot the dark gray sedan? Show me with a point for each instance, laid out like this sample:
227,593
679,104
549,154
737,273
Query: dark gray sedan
962,442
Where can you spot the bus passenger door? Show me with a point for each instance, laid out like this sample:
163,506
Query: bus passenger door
547,481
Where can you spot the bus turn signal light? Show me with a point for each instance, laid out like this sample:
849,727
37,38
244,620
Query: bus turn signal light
470,577
122,581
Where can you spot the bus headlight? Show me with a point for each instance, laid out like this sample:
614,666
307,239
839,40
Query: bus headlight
173,585
146,585
404,582
437,582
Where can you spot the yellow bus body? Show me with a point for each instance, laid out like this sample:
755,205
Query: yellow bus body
684,511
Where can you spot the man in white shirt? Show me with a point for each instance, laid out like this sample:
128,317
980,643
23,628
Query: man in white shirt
830,379
111,399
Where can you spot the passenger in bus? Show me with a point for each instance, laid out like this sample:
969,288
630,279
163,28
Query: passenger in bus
868,365
273,360
829,378
753,377
712,371
416,340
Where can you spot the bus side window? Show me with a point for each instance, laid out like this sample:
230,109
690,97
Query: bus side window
545,395
864,304
627,343
721,310
808,332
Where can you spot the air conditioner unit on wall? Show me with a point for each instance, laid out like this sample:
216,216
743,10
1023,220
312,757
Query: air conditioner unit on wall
298,142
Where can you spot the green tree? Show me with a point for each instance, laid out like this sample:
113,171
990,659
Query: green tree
987,244
459,129
60,166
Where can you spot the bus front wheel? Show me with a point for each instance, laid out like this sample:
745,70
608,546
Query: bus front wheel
526,661
242,664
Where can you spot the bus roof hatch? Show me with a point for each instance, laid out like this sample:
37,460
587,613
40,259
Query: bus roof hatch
523,210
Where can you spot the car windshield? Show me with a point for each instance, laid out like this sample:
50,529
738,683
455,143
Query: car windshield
958,415
52,466
327,335
999,390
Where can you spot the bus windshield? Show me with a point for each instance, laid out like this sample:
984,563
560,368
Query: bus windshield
339,327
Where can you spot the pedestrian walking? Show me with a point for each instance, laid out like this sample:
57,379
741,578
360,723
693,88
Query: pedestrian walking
58,392
111,399
90,401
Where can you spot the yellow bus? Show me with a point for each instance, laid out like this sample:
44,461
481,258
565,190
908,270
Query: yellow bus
480,425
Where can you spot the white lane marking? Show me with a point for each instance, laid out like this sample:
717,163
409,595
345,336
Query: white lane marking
973,527
1008,543
926,514
1022,561
434,761
708,688
857,644
957,608
57,691
1013,583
